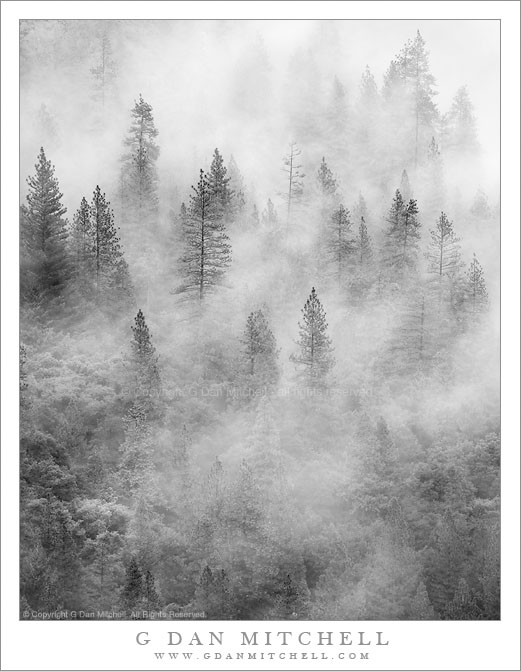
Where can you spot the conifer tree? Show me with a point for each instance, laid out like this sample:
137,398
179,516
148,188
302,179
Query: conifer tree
139,174
409,90
315,355
476,296
364,262
82,243
293,169
403,235
359,209
327,184
270,219
405,186
260,350
104,75
237,187
434,196
480,206
144,358
133,587
150,595
110,273
222,196
460,124
444,260
367,108
341,243
207,249
45,260
139,198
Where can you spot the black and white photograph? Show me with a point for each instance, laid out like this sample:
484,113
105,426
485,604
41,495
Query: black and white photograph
259,323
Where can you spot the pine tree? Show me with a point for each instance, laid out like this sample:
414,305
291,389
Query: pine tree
368,108
315,354
364,262
109,267
293,169
139,198
480,206
405,187
260,350
46,264
409,91
476,296
327,185
341,243
104,75
222,196
150,595
207,250
133,587
434,194
139,174
237,187
460,124
444,261
424,107
145,359
403,235
82,244
270,219
359,209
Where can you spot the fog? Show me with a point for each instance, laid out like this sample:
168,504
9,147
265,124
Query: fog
173,474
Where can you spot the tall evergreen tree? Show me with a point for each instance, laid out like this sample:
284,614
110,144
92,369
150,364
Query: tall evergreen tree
341,243
82,243
293,169
139,198
367,108
409,88
219,184
104,75
237,187
403,235
144,358
444,260
363,262
327,184
45,265
460,124
108,264
405,186
139,174
133,587
207,248
476,298
260,350
315,355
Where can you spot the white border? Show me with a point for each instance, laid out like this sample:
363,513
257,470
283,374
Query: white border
416,645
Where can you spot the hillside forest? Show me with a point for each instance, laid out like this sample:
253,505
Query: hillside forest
259,364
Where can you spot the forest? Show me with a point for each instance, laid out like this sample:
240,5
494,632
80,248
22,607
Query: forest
259,366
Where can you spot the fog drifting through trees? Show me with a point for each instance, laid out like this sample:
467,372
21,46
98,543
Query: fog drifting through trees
259,372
